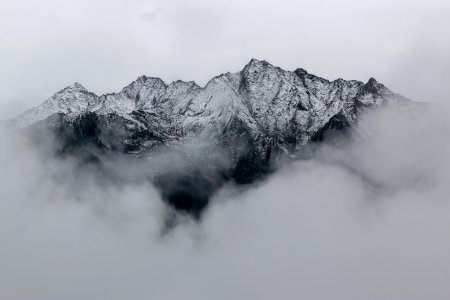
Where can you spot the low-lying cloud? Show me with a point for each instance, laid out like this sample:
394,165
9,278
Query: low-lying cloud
366,220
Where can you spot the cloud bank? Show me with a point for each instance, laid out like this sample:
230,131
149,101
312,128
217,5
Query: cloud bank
368,219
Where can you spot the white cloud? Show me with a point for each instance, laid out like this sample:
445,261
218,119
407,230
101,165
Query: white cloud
368,220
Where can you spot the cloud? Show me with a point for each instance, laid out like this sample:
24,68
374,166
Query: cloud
365,220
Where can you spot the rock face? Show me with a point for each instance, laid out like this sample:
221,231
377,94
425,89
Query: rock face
193,139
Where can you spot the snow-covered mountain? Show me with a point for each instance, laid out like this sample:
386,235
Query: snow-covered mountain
234,128
265,97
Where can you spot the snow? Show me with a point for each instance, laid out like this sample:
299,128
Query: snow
268,99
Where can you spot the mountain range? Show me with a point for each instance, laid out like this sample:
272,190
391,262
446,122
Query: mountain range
189,140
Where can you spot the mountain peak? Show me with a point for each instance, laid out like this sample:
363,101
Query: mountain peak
144,83
77,85
182,82
300,72
373,86
257,63
149,80
256,67
372,81
73,88
254,60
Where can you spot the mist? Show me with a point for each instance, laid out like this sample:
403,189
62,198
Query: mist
364,219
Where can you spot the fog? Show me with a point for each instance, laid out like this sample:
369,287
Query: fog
368,219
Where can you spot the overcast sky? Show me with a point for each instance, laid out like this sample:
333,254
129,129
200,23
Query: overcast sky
366,221
105,44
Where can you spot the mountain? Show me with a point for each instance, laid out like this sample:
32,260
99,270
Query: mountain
190,140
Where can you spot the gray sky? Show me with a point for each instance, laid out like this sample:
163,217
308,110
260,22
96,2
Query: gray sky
105,44
369,221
